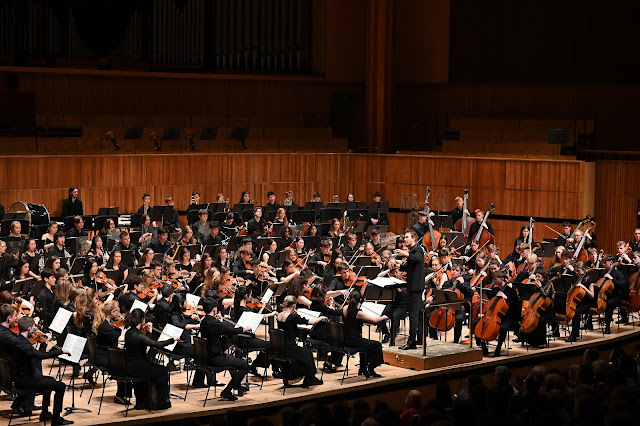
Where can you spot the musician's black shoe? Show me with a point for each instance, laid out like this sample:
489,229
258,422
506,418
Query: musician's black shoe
496,354
408,346
570,339
241,391
607,330
226,394
588,326
46,416
372,373
89,377
314,381
172,367
254,371
385,338
60,421
328,368
623,321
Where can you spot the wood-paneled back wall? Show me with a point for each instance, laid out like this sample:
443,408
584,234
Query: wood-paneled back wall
543,188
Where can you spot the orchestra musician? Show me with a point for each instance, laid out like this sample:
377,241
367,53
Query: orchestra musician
47,237
620,292
241,268
460,282
147,230
109,224
125,244
29,256
5,269
245,198
285,238
334,228
222,258
145,208
174,221
271,205
195,198
351,247
506,291
72,206
377,218
281,217
59,250
272,250
584,305
321,258
46,296
212,328
201,227
321,331
475,226
162,244
374,239
316,197
523,237
565,237
115,264
288,321
136,344
97,252
214,238
458,211
635,243
421,227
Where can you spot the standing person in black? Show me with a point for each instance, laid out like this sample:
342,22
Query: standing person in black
458,212
27,374
72,206
212,329
138,365
46,296
421,227
353,321
621,288
145,208
415,285
288,321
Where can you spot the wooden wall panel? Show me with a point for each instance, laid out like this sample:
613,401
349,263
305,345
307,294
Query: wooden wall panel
517,187
617,195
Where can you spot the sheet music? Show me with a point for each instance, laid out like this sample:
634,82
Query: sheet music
60,321
267,296
139,305
372,309
168,332
250,319
386,281
193,300
109,297
75,345
308,314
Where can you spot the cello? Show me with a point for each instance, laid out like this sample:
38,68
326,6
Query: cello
488,328
443,319
432,236
482,238
575,294
605,287
478,306
538,303
634,293
462,225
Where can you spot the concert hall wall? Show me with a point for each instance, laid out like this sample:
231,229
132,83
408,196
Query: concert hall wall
519,187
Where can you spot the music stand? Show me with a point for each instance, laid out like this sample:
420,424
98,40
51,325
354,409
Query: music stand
274,260
547,249
341,206
313,205
209,133
442,221
23,286
525,290
370,271
216,207
456,237
354,213
302,216
134,132
112,274
247,215
239,207
234,243
161,213
37,288
310,242
197,206
77,265
328,213
376,208
352,205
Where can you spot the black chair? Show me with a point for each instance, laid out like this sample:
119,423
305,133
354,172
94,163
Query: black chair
200,363
336,344
91,363
117,369
279,358
6,385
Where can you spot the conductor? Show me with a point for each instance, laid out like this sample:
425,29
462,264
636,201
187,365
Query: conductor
415,284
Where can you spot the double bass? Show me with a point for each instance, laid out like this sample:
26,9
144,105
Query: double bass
484,238
432,237
634,293
462,225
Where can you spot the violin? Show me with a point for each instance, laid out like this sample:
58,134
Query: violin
102,278
146,293
360,282
118,321
36,336
193,310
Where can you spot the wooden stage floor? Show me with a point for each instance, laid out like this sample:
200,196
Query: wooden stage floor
270,400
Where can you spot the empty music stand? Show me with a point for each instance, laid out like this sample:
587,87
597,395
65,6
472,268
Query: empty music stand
313,205
302,216
341,206
239,207
216,207
442,221
328,213
355,213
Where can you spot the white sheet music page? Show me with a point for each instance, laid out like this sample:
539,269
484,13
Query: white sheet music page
60,321
139,305
250,319
267,296
168,332
385,281
75,345
193,300
373,309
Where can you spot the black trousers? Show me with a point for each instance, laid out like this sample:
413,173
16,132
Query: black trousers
612,304
372,348
159,377
46,385
505,326
240,365
303,356
577,317
414,305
